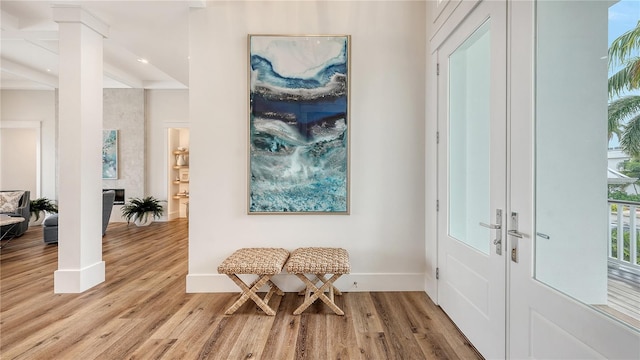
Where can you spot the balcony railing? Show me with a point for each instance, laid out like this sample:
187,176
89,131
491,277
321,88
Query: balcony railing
623,218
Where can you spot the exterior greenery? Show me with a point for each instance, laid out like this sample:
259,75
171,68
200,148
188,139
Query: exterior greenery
617,194
626,242
624,112
42,204
624,121
139,209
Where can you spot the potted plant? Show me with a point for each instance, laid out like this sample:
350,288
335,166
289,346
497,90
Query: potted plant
39,207
142,211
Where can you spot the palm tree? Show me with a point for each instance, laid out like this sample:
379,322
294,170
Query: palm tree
624,112
626,109
622,52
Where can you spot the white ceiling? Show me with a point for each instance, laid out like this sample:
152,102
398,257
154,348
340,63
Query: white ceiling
152,30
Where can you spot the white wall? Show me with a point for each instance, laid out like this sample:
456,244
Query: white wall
35,106
385,232
19,158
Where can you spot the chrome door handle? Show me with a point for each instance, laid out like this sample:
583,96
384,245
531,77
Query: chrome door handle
491,226
497,226
515,233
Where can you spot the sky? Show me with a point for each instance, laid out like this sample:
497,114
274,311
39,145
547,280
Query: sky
623,16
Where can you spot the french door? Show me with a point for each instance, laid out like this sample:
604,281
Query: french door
472,177
549,298
500,280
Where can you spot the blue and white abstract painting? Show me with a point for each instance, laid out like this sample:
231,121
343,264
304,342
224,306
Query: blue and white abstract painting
109,154
299,140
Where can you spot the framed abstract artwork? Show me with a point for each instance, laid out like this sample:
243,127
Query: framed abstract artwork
110,154
298,124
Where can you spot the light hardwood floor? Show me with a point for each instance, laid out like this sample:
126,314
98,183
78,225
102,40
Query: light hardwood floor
623,300
142,311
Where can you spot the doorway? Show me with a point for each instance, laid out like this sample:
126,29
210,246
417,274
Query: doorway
20,156
178,174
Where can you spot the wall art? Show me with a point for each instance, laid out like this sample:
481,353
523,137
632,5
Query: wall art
299,124
110,154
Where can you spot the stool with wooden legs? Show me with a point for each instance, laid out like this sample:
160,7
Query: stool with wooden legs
263,262
318,262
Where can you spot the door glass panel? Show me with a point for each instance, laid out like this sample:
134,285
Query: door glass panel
469,140
577,227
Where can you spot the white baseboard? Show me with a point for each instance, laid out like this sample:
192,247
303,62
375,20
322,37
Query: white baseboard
215,283
71,281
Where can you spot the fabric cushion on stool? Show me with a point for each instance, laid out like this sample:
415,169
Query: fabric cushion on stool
263,262
319,262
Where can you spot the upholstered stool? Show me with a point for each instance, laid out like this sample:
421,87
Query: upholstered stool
318,262
263,262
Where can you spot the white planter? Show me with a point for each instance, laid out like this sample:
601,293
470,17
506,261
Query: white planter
34,222
145,221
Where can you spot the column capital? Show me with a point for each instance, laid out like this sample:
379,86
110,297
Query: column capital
64,13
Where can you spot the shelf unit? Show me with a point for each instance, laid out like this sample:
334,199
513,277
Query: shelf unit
178,156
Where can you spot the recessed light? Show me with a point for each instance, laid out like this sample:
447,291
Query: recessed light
48,70
143,61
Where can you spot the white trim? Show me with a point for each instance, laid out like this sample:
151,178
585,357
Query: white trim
68,13
20,124
459,13
78,280
176,125
216,283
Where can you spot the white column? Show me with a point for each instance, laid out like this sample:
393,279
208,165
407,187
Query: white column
80,264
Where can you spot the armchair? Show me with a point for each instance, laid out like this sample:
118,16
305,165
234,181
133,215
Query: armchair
23,210
50,224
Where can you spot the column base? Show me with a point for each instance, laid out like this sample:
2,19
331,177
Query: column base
78,280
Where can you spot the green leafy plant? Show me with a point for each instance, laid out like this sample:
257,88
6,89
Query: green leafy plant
626,253
624,108
42,204
139,209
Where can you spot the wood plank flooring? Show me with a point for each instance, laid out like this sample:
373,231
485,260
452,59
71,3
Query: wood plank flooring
623,300
142,311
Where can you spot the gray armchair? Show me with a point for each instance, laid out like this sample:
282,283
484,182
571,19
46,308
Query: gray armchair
23,210
50,225
107,205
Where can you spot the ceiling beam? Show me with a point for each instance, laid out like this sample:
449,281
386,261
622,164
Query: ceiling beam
164,84
28,73
23,85
122,77
12,34
36,38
